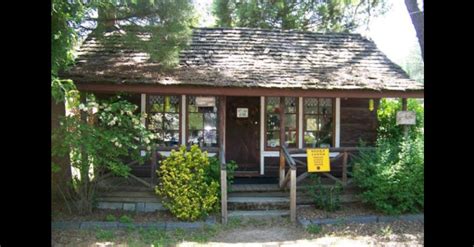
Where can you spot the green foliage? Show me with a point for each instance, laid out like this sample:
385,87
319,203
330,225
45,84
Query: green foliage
110,217
392,177
326,198
312,15
184,187
104,235
214,172
125,219
99,142
387,118
314,228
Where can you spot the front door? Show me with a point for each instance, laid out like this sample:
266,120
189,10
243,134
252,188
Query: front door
242,132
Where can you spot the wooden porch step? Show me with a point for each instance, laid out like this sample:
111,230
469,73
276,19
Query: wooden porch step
258,213
257,203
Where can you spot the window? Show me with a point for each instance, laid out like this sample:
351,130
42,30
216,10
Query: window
273,121
318,122
163,119
202,124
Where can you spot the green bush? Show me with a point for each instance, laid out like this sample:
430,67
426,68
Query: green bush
214,172
392,177
326,198
184,185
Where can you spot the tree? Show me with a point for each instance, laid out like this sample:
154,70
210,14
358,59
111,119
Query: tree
168,23
306,15
417,18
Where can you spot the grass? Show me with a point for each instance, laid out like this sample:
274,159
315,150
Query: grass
104,235
314,229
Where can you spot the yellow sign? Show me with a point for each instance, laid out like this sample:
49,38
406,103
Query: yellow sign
318,160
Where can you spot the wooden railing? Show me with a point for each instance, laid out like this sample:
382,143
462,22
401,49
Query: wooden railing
290,177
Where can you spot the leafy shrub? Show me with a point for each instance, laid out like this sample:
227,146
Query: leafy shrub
96,145
326,198
214,172
184,187
125,219
392,177
110,217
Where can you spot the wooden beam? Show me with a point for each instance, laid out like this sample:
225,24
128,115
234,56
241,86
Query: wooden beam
154,165
222,162
282,140
405,108
244,91
344,168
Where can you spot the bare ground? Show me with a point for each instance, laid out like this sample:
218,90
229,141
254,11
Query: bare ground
276,232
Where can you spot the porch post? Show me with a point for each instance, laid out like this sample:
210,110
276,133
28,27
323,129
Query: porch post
404,108
222,117
282,139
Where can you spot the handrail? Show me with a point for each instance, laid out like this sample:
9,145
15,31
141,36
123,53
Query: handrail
291,162
333,149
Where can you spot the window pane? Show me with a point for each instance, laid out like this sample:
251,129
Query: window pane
210,138
195,137
192,104
290,122
311,122
290,104
290,138
310,105
325,123
273,139
171,121
155,122
171,104
156,103
195,121
273,103
210,121
273,122
325,139
325,106
310,139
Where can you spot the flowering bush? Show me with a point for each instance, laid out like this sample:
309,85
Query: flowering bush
98,142
184,185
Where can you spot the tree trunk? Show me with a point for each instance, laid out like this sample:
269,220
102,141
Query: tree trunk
417,18
59,180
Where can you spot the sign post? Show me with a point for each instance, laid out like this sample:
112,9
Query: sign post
318,160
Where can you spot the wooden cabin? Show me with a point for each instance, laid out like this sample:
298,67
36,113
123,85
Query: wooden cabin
230,87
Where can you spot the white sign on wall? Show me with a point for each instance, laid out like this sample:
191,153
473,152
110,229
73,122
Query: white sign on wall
242,112
205,101
406,118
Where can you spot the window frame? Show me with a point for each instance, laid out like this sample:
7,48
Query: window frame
333,117
148,113
211,149
265,143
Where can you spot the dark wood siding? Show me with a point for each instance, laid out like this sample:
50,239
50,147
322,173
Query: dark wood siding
358,122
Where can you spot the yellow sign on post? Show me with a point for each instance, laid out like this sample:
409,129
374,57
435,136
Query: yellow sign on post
318,160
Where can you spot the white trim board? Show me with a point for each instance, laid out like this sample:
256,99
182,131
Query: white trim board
262,134
300,122
167,153
277,154
143,107
183,119
338,123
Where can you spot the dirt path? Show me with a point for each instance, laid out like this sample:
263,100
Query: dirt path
255,233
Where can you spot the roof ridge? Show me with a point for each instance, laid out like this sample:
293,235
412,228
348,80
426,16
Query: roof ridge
277,30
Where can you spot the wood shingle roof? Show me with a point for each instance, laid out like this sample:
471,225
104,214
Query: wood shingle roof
243,57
